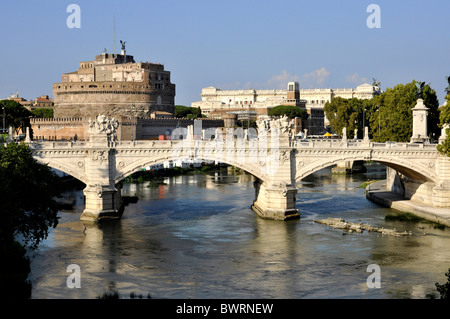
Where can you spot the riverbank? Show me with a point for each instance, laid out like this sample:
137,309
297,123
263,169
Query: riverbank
376,192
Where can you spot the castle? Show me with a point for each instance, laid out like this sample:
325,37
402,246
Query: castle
138,94
114,84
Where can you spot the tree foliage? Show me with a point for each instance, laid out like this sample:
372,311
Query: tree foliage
388,115
444,289
16,114
391,118
444,146
182,111
43,112
349,113
288,110
28,190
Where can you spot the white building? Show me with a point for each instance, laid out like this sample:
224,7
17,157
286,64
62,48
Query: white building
216,100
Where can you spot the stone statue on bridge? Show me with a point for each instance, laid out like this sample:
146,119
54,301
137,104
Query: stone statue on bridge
105,125
282,124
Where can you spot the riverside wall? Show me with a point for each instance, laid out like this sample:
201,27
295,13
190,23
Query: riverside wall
378,193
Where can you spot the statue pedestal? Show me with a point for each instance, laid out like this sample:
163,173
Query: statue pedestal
444,133
420,128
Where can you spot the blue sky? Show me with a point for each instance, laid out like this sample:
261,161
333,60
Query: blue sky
230,44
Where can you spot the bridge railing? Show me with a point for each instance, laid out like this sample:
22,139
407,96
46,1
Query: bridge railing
56,144
361,144
310,144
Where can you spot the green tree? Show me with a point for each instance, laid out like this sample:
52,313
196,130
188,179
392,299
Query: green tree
444,147
28,207
288,110
444,289
349,113
43,112
182,111
16,115
391,115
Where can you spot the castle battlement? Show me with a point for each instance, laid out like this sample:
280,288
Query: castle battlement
57,120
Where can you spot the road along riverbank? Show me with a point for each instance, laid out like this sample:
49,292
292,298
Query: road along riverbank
376,192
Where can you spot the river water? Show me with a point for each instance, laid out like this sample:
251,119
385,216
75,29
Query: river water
196,237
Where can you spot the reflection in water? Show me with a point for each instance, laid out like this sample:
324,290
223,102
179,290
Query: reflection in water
195,237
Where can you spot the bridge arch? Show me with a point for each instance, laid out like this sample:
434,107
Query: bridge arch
412,170
127,170
63,167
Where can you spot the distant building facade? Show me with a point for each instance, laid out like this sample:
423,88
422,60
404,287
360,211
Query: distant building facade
215,102
43,101
113,85
214,99
318,97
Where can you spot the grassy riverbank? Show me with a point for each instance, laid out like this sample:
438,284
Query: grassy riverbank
411,218
367,183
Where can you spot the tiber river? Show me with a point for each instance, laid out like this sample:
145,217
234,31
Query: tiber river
196,237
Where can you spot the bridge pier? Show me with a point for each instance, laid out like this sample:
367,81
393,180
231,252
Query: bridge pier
277,202
102,203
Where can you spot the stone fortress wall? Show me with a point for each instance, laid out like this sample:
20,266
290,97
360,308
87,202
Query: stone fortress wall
130,128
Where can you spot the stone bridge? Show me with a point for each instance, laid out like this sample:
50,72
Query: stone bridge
270,154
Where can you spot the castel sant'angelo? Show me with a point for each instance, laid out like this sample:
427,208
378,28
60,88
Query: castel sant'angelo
114,84
138,94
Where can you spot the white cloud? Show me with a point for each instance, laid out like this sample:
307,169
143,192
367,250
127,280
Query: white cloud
280,81
276,82
315,78
356,79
